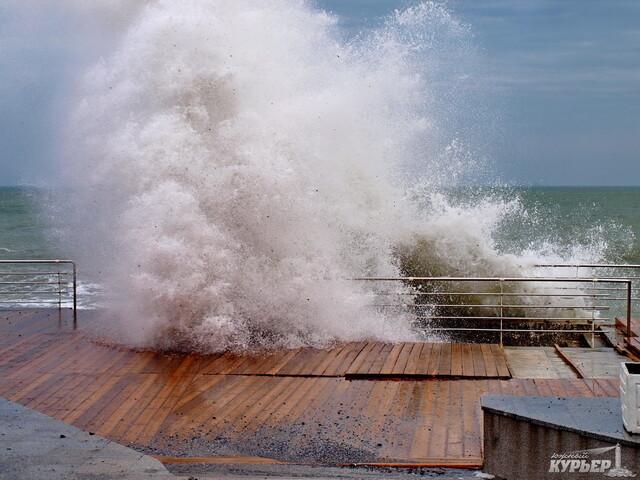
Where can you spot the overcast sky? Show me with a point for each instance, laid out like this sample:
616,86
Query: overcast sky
565,75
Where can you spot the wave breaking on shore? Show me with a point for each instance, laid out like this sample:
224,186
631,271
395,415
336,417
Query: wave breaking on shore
236,164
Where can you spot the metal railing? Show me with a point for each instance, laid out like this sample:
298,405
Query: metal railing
615,296
39,282
507,300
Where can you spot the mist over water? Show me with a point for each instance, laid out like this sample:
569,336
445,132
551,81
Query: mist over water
237,163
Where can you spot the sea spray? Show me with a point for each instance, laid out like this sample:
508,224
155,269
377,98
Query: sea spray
236,163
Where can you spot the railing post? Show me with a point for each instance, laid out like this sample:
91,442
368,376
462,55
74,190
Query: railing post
59,287
75,296
501,313
593,325
629,309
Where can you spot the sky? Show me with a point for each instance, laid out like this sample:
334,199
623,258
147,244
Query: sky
563,76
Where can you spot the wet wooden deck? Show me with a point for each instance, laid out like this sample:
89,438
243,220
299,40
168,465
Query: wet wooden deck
412,403
633,342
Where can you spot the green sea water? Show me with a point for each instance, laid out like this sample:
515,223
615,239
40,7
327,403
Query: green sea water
602,224
24,229
584,216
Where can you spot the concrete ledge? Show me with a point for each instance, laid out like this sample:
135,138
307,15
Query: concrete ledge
552,437
36,446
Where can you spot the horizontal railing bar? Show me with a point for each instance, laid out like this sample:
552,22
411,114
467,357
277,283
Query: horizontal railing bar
557,307
498,294
586,265
64,302
436,305
586,287
15,292
28,274
53,282
38,261
515,330
493,279
613,299
626,277
525,319
611,289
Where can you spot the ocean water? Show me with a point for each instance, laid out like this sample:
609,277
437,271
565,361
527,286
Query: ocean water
550,224
23,231
30,230
573,223
232,166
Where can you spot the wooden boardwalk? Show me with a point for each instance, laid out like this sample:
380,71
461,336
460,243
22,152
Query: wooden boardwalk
358,402
633,342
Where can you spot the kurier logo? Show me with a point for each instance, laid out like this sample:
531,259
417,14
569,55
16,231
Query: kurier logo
581,462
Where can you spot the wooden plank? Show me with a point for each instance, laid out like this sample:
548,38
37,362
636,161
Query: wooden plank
264,405
316,389
253,362
217,364
621,323
107,400
199,385
423,362
403,357
360,360
479,369
293,399
422,433
281,362
34,361
610,386
394,440
489,361
411,367
555,388
563,355
380,359
455,426
49,393
437,442
391,359
471,437
32,386
21,346
120,415
597,388
226,416
166,399
325,359
373,356
215,398
456,360
228,363
501,361
350,357
444,365
543,388
434,360
63,401
343,359
302,363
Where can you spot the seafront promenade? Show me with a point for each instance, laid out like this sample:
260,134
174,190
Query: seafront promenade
357,403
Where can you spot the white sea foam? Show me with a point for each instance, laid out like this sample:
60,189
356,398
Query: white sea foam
238,162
